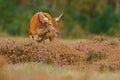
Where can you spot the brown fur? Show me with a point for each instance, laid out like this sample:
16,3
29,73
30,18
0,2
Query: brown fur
40,29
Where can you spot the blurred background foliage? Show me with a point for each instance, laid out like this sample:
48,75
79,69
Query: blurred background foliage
81,17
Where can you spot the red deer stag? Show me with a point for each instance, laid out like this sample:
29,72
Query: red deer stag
43,26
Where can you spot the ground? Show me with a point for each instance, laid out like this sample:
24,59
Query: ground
95,58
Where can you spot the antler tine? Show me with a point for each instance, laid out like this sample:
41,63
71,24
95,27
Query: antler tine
59,17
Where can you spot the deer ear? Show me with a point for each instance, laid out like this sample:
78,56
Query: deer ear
57,18
42,14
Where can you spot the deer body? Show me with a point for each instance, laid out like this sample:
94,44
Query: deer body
43,26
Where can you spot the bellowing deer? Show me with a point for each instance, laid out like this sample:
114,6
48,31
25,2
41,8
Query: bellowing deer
43,26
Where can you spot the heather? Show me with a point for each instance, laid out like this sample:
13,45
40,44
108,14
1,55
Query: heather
58,53
97,53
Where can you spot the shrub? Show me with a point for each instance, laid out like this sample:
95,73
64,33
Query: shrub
93,56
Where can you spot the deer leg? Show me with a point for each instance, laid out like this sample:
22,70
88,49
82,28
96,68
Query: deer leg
43,37
51,39
30,37
42,40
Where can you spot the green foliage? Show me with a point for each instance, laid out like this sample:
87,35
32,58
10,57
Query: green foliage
80,16
104,22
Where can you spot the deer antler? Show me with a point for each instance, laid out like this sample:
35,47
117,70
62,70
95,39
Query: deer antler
59,17
45,18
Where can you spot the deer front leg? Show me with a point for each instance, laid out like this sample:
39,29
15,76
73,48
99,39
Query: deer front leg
30,37
42,40
51,39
